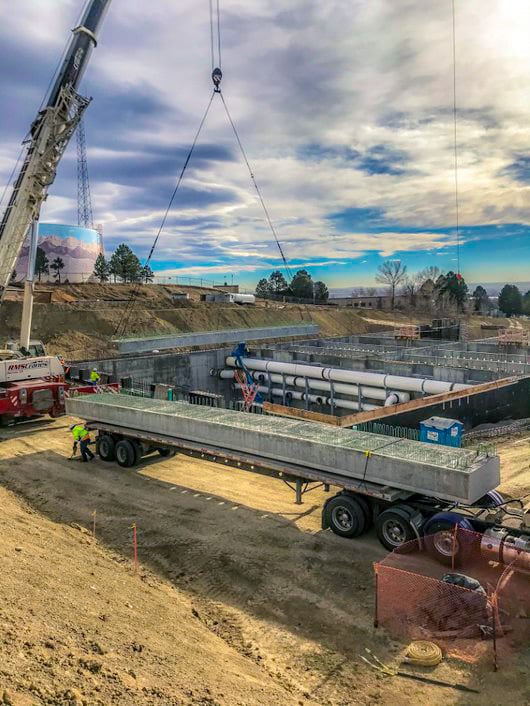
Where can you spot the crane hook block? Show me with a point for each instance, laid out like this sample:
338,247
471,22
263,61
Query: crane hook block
217,75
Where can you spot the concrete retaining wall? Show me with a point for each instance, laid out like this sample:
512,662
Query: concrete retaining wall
207,338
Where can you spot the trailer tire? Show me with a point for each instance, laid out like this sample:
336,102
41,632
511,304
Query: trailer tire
394,527
344,515
442,543
106,447
167,453
366,508
125,453
491,500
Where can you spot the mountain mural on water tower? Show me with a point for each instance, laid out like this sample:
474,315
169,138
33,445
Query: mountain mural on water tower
77,247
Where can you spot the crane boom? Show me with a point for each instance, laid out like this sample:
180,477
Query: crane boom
47,140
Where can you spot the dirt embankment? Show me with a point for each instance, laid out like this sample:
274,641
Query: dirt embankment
241,598
81,319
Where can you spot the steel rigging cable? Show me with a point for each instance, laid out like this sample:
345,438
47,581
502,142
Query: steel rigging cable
253,178
122,325
457,214
216,78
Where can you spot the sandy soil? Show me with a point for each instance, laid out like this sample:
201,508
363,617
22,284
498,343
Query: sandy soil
241,599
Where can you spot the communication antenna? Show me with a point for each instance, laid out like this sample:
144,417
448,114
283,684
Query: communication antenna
84,201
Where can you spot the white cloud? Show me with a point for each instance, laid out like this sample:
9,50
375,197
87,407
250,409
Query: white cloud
345,76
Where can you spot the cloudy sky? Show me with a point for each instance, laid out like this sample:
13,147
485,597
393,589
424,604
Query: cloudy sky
345,108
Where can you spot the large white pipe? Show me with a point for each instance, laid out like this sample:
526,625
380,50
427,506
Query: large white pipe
317,399
390,382
372,393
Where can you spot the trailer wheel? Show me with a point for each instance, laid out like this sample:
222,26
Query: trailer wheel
167,453
366,508
444,544
394,528
492,499
106,447
125,453
345,516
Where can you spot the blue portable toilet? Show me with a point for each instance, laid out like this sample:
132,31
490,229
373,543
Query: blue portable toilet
439,430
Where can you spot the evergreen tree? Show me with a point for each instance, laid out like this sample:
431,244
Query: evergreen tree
454,287
526,303
510,300
263,288
277,283
42,264
301,285
321,292
482,300
57,265
124,264
101,268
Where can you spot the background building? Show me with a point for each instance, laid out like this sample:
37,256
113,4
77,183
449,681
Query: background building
77,247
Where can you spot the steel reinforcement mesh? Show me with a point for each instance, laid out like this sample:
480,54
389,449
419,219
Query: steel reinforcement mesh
473,608
377,444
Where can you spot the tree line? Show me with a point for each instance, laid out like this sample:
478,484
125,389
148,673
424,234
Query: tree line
123,265
447,288
301,286
441,288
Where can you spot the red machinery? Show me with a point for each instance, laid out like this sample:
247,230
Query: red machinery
31,387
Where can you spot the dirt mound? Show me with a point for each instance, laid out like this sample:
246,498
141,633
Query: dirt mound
79,628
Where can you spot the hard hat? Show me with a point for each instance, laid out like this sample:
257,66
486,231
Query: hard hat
95,369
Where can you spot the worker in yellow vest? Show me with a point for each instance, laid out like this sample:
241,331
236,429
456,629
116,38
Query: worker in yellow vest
82,437
94,377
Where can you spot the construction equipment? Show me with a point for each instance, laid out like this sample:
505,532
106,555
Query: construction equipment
46,142
408,490
36,385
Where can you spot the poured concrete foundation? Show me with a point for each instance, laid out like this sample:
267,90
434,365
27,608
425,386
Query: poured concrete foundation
450,474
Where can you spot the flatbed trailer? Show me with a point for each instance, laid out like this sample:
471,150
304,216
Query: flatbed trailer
399,516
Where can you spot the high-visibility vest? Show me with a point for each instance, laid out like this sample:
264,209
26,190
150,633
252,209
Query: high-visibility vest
94,376
79,432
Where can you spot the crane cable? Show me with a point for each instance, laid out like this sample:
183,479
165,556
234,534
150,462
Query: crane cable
216,78
122,324
258,191
457,210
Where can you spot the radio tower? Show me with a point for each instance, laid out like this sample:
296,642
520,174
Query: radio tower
84,202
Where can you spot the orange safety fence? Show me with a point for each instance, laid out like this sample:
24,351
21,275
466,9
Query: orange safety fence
468,604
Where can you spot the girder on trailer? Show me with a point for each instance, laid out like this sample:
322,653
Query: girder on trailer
303,478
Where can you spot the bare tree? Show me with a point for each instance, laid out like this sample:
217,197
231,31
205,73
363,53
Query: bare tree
411,284
392,273
430,273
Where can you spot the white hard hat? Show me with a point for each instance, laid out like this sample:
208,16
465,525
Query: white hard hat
94,369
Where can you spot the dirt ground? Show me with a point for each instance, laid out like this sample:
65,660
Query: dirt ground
240,598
